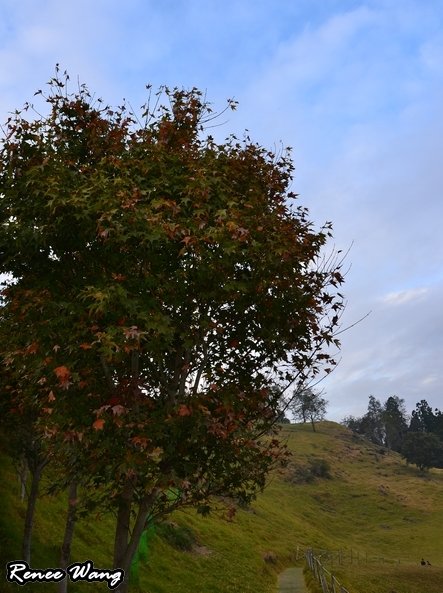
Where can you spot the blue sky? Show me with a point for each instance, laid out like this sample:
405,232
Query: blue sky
354,87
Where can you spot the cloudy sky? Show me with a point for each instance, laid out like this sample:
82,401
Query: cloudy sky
354,87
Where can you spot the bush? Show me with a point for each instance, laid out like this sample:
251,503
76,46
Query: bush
320,468
305,474
178,536
270,557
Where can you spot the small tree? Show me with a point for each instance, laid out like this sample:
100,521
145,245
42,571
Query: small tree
423,449
159,279
371,424
307,404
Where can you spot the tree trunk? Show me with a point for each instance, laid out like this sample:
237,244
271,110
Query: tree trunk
126,544
36,473
71,518
22,473
123,523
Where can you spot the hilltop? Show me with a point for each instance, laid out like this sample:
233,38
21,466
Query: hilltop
339,492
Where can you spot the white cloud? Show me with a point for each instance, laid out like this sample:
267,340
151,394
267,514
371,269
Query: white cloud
405,296
430,380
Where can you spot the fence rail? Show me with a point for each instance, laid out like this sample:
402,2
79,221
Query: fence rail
345,557
329,583
316,561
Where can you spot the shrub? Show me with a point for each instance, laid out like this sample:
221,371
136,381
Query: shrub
305,474
320,468
178,536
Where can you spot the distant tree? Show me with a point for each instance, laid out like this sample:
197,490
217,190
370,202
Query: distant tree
374,425
283,419
394,418
308,405
387,424
370,425
423,418
438,423
352,423
423,449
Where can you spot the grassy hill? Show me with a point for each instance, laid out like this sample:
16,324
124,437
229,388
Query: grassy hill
338,493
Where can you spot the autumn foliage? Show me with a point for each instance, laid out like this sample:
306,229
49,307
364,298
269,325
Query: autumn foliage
161,282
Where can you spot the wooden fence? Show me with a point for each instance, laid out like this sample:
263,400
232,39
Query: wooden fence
344,557
329,583
318,559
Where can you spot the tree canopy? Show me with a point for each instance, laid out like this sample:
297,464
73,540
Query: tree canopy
308,404
383,424
423,449
418,438
160,283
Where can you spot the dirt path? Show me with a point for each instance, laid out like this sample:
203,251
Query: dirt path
292,581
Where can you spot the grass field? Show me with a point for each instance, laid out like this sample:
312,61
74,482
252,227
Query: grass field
338,493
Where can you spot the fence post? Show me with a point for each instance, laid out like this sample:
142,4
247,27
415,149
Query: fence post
317,570
324,584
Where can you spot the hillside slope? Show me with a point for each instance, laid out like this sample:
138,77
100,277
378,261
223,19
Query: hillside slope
339,492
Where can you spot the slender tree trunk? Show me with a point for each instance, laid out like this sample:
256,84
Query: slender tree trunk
22,473
71,518
123,523
124,553
36,473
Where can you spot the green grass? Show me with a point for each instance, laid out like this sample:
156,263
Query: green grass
395,578
372,504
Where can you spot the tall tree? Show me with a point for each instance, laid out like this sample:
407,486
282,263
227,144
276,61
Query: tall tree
160,279
423,418
438,423
24,442
395,422
371,424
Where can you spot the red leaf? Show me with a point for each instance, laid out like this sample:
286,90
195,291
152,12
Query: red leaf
184,410
63,375
98,424
141,442
118,277
32,348
62,372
